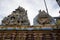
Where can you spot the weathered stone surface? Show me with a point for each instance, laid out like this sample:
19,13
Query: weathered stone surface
31,35
43,18
18,17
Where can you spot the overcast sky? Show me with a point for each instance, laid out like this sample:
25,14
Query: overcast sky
32,7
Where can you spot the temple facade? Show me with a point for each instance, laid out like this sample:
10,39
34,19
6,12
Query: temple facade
29,34
16,26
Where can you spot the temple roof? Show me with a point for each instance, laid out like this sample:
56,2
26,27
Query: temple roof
17,17
43,14
43,18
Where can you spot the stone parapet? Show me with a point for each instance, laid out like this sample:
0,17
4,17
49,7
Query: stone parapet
18,27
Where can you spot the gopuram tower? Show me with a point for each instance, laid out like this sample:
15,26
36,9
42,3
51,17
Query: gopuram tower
18,17
43,18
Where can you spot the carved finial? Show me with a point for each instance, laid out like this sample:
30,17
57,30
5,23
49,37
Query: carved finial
39,10
20,9
43,11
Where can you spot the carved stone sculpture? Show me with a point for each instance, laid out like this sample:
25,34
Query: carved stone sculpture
18,17
43,18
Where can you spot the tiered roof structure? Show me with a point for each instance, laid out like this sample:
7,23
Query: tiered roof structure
18,17
43,18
